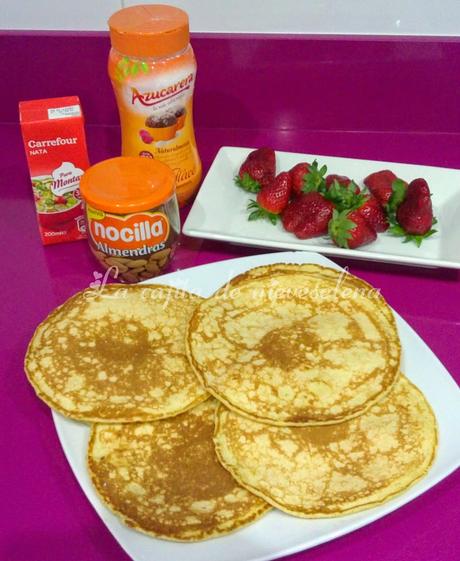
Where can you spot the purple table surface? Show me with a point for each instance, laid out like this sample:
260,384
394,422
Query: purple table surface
44,514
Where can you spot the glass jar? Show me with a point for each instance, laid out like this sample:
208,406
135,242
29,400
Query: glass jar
132,216
153,70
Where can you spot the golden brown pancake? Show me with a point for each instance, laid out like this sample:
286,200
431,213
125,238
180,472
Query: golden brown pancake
290,345
163,478
325,471
116,355
341,277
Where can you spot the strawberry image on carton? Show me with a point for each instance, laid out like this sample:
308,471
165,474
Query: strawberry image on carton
55,144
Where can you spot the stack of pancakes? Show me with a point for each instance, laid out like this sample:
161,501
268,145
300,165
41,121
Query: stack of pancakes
309,412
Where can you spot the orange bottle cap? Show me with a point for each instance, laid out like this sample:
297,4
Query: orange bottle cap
127,184
153,30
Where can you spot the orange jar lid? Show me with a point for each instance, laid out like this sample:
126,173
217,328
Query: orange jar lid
153,30
127,184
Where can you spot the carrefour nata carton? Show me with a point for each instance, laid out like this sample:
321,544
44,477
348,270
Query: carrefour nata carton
55,144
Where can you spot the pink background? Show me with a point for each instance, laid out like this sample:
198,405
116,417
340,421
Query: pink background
388,99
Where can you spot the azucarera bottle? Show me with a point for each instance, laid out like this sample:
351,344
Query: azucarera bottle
153,70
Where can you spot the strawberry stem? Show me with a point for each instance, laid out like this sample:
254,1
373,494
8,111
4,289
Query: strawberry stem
339,228
344,197
398,231
314,180
247,183
397,197
258,213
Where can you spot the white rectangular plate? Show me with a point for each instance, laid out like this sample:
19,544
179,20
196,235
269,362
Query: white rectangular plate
278,534
219,211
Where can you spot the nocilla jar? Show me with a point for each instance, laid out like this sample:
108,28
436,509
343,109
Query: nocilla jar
132,216
153,70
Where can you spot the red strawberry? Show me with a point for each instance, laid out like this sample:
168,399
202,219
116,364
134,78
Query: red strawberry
341,180
415,213
266,156
298,173
380,185
418,187
308,215
293,213
350,229
257,171
374,214
251,176
271,199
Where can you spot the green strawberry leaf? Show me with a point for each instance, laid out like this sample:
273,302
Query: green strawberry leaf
144,67
309,186
418,239
247,183
340,227
314,180
344,197
134,69
257,213
398,230
397,197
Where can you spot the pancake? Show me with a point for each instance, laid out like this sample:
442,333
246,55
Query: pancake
163,478
291,345
326,471
341,277
116,355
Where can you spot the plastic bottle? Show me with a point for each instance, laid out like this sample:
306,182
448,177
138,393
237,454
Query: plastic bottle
153,70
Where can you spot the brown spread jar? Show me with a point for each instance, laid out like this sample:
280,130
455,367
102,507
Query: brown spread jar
132,215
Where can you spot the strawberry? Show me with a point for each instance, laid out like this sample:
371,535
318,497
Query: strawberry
293,213
350,229
271,199
341,179
265,156
340,190
251,176
308,215
373,213
257,171
380,184
298,173
415,214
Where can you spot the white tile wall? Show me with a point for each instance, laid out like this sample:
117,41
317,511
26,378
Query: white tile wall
57,14
413,17
385,17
